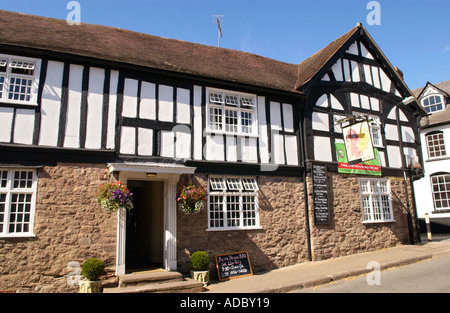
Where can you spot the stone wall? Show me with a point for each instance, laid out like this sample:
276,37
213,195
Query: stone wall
347,234
280,242
69,226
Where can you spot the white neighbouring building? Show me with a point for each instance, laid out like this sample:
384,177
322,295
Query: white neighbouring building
432,192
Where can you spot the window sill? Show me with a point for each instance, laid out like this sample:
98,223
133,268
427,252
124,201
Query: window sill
234,228
9,236
379,222
447,157
217,132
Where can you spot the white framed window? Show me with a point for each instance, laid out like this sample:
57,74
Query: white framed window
440,186
19,79
376,201
375,131
435,144
233,203
17,202
231,113
433,103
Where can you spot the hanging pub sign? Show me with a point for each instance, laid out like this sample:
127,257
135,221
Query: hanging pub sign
358,142
320,193
372,167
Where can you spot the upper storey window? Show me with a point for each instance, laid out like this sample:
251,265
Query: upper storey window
19,79
433,103
231,113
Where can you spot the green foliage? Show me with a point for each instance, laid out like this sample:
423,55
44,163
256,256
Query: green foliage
92,269
200,261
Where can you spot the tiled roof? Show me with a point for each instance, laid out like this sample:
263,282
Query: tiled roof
140,49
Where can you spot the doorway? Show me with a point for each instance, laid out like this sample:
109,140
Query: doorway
145,226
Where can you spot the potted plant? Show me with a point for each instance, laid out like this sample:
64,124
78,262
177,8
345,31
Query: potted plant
113,196
191,198
92,269
200,266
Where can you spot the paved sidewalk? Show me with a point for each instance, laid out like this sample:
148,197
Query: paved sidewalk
312,274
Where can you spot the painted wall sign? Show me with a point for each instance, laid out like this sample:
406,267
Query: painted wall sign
358,142
372,167
233,265
320,193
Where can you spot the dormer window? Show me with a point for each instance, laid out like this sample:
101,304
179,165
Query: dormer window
19,79
433,103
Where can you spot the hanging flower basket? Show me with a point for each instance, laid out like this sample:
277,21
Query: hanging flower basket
113,196
191,199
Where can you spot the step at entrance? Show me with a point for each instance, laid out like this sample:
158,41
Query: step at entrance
155,282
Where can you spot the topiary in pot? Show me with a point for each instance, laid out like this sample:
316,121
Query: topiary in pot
92,269
200,266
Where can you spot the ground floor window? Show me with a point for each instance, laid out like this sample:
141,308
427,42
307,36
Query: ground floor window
440,185
17,202
232,203
376,200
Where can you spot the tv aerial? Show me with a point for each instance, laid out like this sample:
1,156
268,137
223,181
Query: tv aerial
219,20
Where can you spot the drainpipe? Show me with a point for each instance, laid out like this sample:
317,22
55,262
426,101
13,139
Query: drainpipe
305,185
405,184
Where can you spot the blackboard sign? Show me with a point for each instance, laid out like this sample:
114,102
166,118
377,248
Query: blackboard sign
233,265
320,193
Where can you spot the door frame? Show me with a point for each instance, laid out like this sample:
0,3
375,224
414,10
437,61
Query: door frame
170,175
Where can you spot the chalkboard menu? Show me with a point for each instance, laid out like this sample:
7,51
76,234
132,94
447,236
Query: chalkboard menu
233,265
320,192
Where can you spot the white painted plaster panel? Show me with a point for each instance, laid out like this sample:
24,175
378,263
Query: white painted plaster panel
128,140
337,70
353,49
248,150
198,131
72,135
347,75
325,78
145,141
385,81
365,53
24,126
51,104
320,121
392,114
367,74
6,118
354,99
165,112
403,117
322,101
322,149
231,150
365,104
215,148
263,136
291,146
376,77
382,158
130,93
95,108
391,132
167,144
408,134
147,107
375,103
275,115
288,117
277,148
335,104
112,110
394,157
183,106
409,153
355,72
183,144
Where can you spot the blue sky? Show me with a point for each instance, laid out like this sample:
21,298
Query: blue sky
414,34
